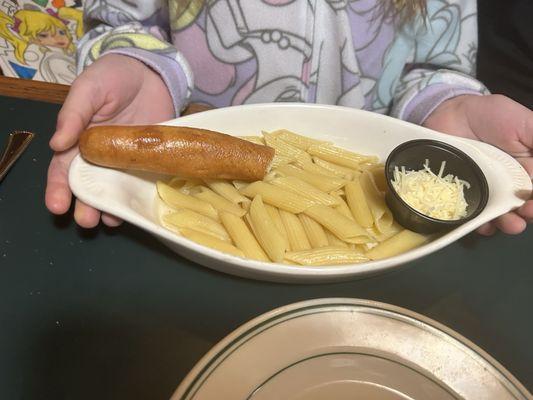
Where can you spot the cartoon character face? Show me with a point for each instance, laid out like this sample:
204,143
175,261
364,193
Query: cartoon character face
57,38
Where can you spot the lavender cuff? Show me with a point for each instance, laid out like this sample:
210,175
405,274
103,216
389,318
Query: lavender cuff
170,70
429,98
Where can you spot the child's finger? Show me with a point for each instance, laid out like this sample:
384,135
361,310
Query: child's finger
86,216
58,195
511,223
525,131
111,220
526,211
527,163
487,229
77,112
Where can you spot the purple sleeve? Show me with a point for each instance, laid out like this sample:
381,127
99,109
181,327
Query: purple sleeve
170,70
138,30
424,90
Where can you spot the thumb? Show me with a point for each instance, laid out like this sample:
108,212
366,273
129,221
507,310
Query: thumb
82,102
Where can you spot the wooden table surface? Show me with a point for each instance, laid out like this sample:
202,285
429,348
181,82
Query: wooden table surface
33,90
53,92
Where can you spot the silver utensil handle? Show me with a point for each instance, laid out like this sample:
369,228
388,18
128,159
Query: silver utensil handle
16,143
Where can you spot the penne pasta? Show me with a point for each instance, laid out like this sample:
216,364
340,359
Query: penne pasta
279,160
322,182
177,200
277,197
239,184
226,190
267,235
336,169
192,220
334,241
381,236
295,231
212,242
318,205
341,226
217,201
313,168
249,224
355,197
302,142
326,256
343,208
182,184
378,173
340,156
304,189
285,149
242,236
399,243
253,139
367,166
314,231
376,203
271,175
278,223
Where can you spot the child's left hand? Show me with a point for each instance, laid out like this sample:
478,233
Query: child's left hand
502,122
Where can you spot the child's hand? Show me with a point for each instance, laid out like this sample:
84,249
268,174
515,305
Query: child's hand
499,121
114,90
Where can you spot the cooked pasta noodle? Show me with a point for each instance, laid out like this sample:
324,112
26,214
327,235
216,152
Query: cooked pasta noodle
242,237
267,235
192,220
397,244
217,201
314,231
295,231
326,256
319,205
210,241
226,190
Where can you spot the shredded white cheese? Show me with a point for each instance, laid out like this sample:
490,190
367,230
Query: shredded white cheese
433,195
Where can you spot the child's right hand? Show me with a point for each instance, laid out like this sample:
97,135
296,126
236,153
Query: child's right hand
115,89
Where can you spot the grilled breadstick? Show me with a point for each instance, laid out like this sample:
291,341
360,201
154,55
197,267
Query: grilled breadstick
176,150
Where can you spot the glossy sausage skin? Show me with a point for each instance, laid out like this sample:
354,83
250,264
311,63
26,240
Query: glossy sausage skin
172,150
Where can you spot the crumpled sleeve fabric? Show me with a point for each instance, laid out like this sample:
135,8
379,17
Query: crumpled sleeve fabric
442,60
139,30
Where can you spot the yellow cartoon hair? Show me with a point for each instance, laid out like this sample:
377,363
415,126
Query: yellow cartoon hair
5,32
31,24
73,14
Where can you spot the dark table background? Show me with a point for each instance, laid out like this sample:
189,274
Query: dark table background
113,314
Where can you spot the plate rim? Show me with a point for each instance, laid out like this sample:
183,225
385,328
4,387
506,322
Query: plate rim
227,343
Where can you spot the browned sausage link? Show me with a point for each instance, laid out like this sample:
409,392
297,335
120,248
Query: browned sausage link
183,151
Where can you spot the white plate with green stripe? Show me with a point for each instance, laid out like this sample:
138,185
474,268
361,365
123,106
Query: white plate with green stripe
347,349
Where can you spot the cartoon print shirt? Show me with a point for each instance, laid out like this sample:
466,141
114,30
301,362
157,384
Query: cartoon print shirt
229,52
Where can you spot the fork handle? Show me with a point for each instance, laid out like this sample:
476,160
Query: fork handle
16,143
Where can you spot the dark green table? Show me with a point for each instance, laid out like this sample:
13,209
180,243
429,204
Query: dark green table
114,314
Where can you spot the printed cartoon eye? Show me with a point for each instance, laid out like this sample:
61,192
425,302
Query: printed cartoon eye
43,35
61,32
290,94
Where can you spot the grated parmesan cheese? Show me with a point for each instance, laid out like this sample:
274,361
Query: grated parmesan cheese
433,195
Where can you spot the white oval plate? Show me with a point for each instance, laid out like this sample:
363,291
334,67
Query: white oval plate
347,349
132,196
